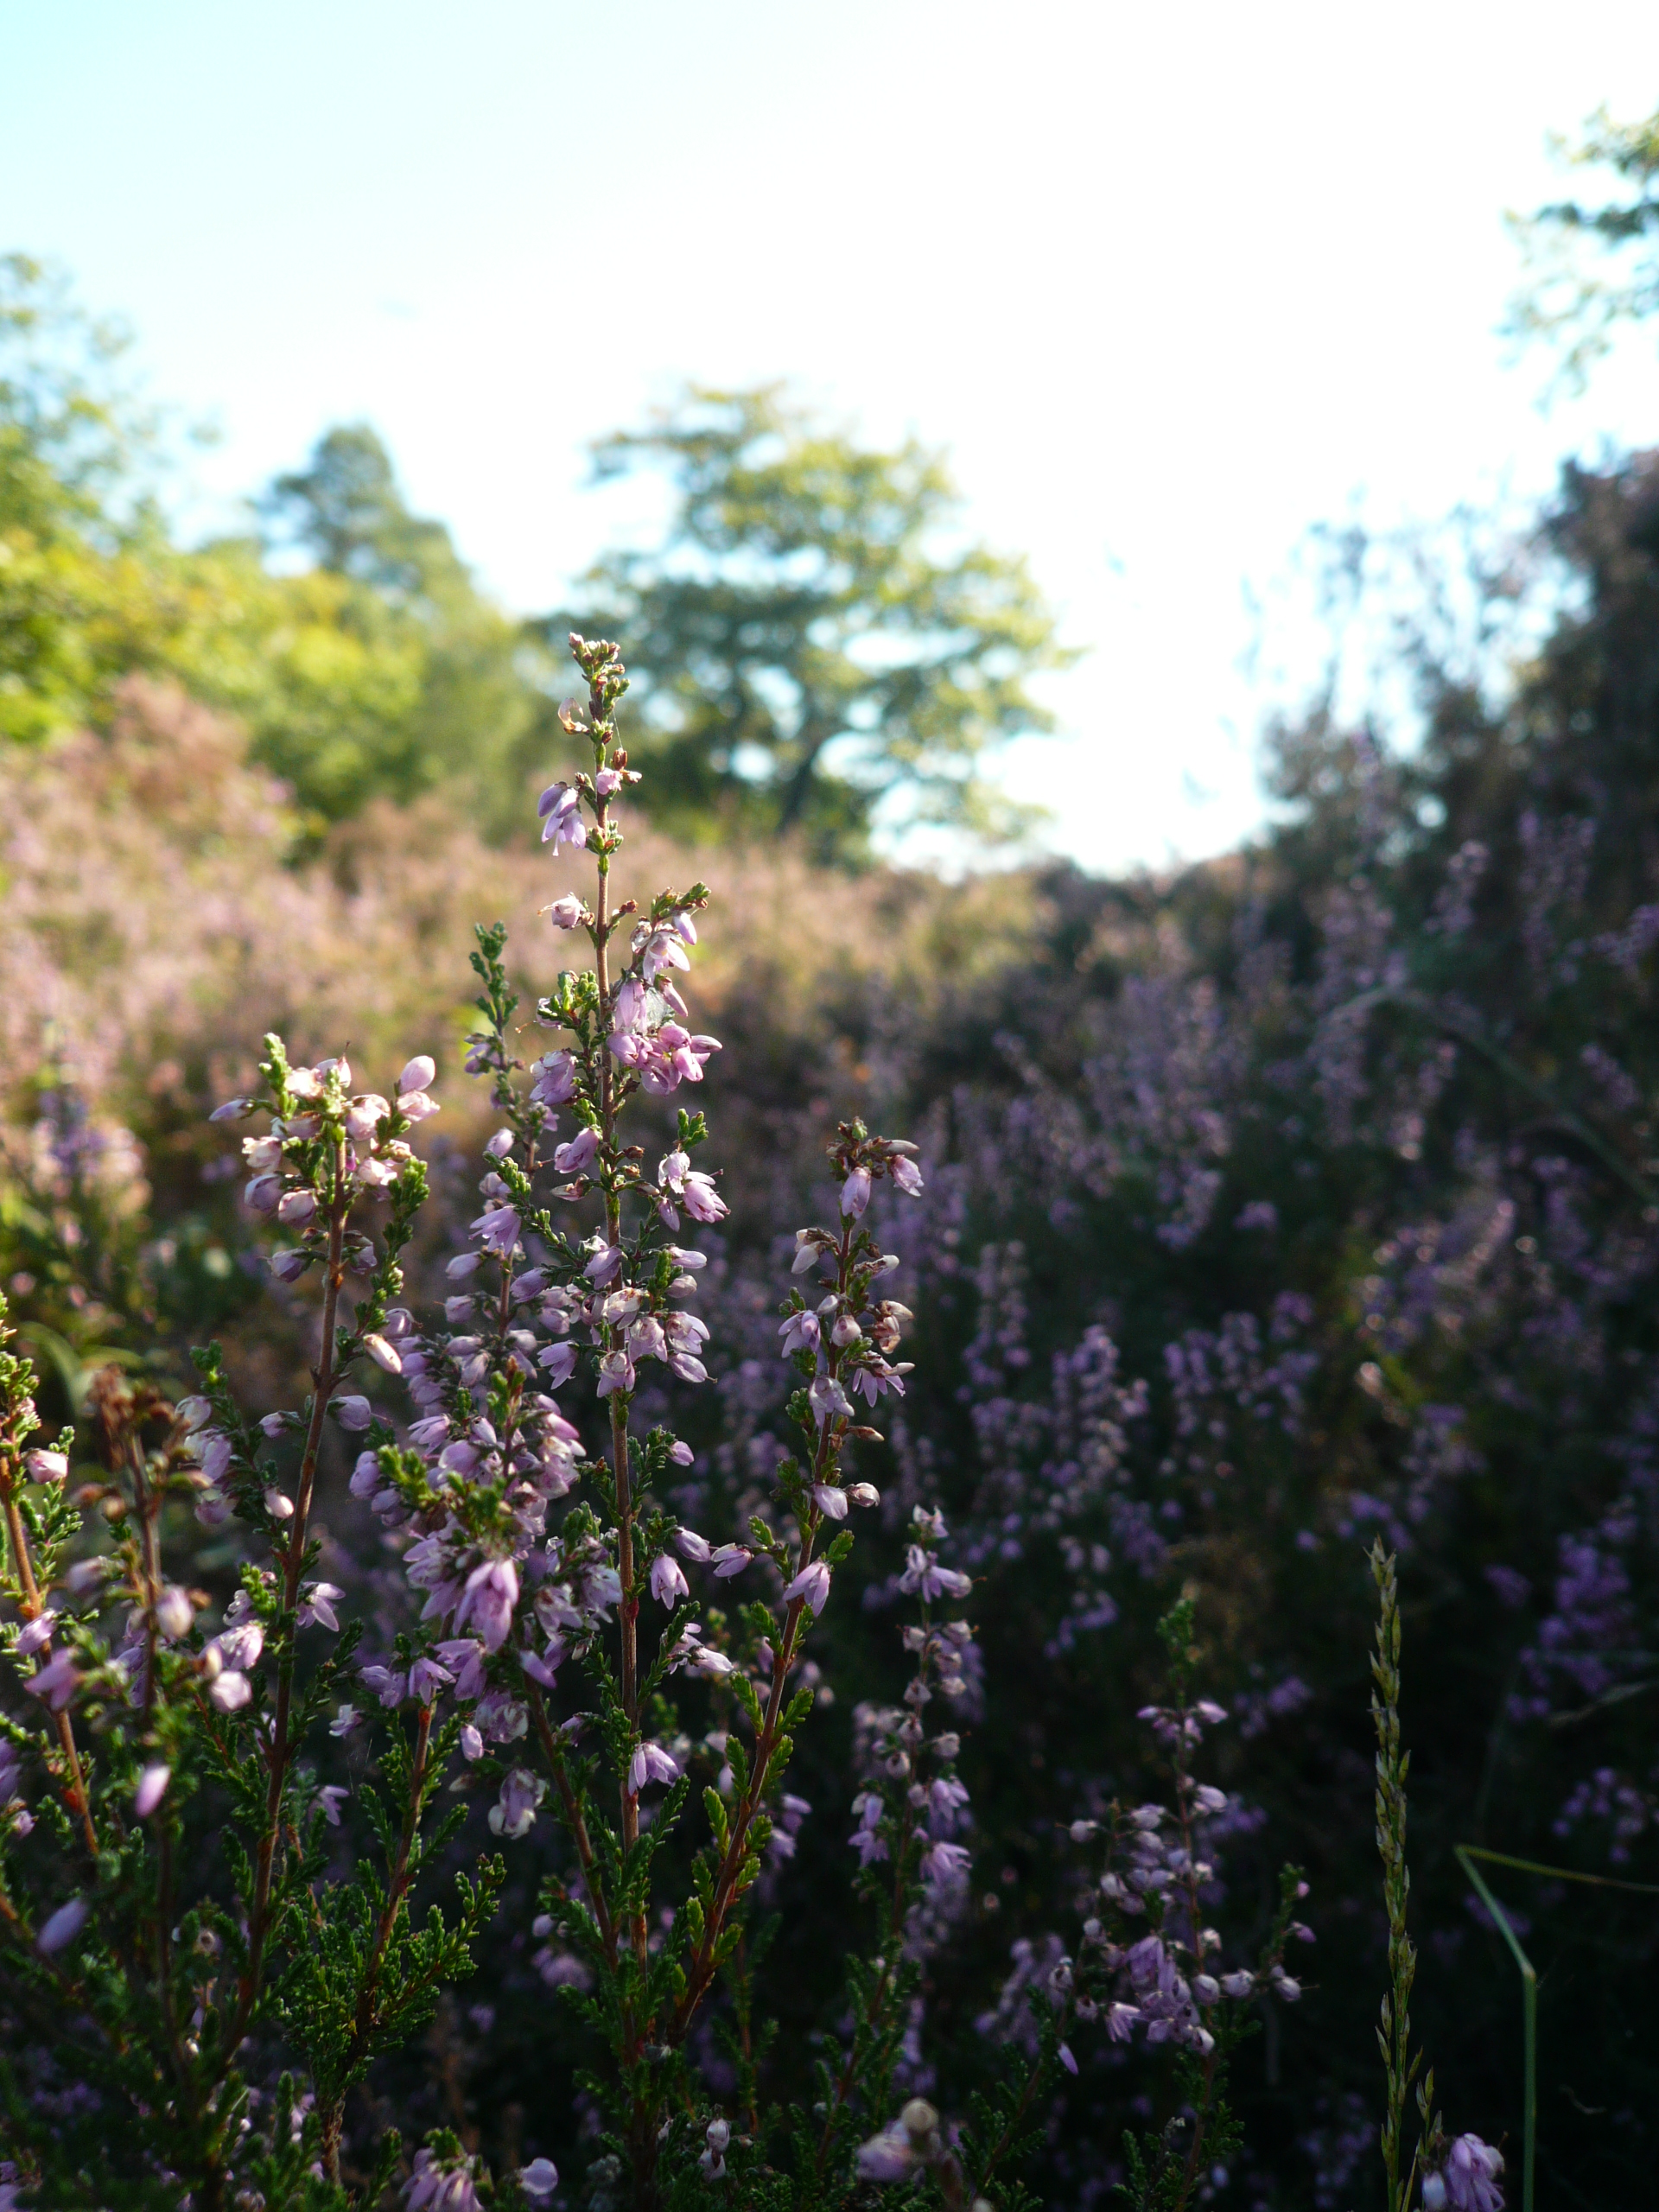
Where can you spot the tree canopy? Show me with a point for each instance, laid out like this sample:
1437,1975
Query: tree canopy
1593,267
815,647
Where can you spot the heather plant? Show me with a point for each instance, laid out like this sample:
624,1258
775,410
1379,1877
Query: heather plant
1219,1264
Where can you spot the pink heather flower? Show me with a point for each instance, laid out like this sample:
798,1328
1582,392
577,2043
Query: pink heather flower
701,1199
1237,1985
668,1582
213,1509
1468,2181
347,1721
389,1684
229,1692
603,1264
560,812
497,1230
65,1925
729,1560
555,1083
487,1602
55,1682
566,913
174,1613
216,1456
317,1605
651,1763
908,1177
295,1207
890,2156
152,1788
231,1110
46,1466
828,1398
830,1500
472,1744
279,1505
34,1637
573,1158
799,1333
615,1373
446,2188
240,1646
262,1194
559,1362
466,1655
691,1545
363,1116
944,1863
425,1679
416,1106
681,1453
1208,1710
419,1074
384,1355
811,1587
922,1572
862,1494
855,1192
329,1798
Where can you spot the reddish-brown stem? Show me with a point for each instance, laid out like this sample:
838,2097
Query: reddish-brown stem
324,1377
75,1795
702,1969
397,1886
576,1822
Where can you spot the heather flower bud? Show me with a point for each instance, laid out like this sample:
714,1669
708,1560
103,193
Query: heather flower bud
152,1788
174,1613
46,1466
419,1074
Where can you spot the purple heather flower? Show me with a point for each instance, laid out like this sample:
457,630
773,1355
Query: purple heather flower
354,1412
811,1587
65,1925
229,1692
56,1682
729,1560
855,1192
1468,2181
490,1594
668,1582
497,1230
538,2179
317,1604
651,1763
152,1788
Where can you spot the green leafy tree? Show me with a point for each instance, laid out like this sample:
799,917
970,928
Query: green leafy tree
820,652
1592,268
381,671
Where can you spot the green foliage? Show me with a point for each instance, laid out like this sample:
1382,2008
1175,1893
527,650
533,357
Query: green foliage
1593,268
818,650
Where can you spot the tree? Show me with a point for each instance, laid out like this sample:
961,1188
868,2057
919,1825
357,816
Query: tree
818,650
404,590
1592,268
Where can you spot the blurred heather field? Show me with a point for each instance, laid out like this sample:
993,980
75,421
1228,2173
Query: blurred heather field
1275,1203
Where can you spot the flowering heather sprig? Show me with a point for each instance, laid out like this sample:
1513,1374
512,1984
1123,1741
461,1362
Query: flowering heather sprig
539,1563
112,1644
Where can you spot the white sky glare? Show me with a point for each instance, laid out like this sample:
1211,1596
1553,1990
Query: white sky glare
1170,284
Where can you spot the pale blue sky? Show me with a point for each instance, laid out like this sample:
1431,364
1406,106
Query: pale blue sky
1171,284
